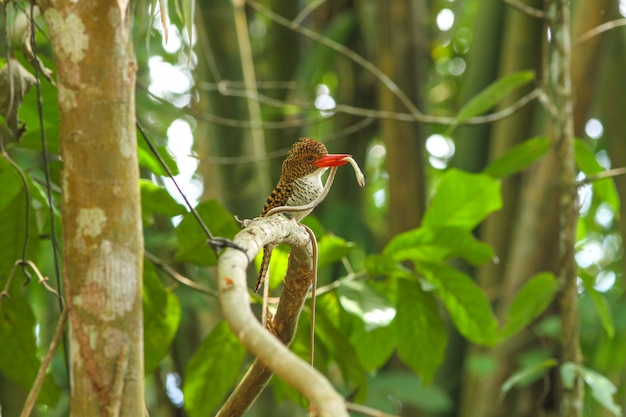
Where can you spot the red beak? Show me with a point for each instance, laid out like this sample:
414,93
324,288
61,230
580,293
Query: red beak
332,160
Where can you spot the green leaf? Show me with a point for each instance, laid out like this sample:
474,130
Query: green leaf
604,311
491,96
392,391
599,302
148,160
421,335
384,265
18,224
212,371
29,114
192,246
466,303
156,200
605,188
331,249
463,200
527,375
374,347
339,348
530,302
18,349
362,301
161,313
601,387
438,244
518,158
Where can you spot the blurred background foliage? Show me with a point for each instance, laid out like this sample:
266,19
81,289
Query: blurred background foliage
436,279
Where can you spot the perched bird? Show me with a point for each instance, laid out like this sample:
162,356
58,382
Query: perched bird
300,183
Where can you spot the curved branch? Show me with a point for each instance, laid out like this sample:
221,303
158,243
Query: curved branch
272,354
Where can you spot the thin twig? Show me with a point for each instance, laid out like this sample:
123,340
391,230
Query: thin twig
367,411
244,124
45,364
43,280
390,115
215,243
46,165
600,29
335,284
602,175
176,276
347,52
526,9
307,11
279,153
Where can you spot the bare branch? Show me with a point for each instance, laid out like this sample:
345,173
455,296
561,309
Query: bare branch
43,368
526,9
181,279
347,52
307,11
367,411
270,351
602,175
600,29
388,115
562,97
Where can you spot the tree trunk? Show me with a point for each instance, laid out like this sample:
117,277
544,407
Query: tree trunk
102,234
402,35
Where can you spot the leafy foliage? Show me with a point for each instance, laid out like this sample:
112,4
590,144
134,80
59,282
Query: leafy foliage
220,354
161,317
19,359
192,246
416,285
492,95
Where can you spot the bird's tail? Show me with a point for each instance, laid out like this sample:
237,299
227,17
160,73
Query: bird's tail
265,266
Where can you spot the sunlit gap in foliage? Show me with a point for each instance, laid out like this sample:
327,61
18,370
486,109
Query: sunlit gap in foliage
440,150
594,128
172,388
376,189
376,157
595,256
598,250
324,102
172,82
180,143
445,19
622,7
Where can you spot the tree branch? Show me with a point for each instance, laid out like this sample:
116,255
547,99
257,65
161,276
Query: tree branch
271,352
562,97
45,364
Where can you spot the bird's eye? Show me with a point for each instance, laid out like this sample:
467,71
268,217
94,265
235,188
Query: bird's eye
309,158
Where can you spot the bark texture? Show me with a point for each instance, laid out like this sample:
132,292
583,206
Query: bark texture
102,235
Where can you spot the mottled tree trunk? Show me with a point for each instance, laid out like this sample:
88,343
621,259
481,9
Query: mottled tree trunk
102,235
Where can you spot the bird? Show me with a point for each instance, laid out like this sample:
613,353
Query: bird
300,183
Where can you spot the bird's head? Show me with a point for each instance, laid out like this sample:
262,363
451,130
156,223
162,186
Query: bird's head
308,156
